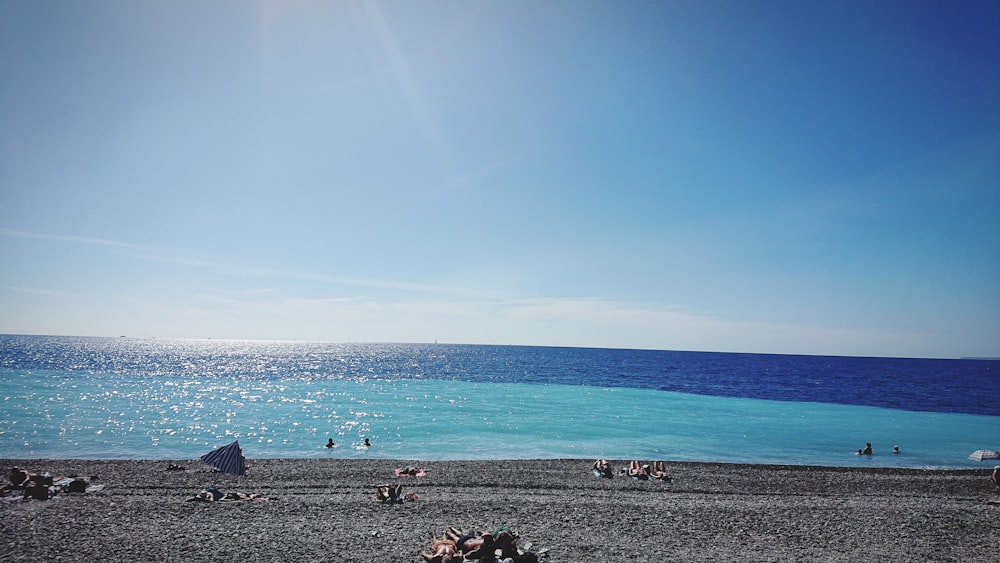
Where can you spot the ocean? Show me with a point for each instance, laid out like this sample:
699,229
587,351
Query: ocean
167,399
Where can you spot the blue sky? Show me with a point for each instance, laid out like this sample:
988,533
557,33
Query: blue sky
788,177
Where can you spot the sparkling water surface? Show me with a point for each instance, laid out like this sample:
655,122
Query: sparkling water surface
177,399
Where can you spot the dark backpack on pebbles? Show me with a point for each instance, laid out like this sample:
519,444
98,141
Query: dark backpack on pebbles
77,486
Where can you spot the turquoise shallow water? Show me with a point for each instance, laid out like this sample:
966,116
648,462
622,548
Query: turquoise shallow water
51,414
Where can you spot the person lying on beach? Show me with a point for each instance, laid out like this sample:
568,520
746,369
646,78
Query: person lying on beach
603,469
471,545
210,494
73,484
455,545
659,471
241,496
19,477
33,485
505,542
389,493
442,550
410,472
638,471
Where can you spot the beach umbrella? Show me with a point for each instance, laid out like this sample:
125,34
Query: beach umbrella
980,455
228,459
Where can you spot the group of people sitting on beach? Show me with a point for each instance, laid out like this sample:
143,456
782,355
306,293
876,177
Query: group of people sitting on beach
636,470
41,486
500,546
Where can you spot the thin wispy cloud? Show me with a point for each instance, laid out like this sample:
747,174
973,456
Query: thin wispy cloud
221,266
67,238
39,291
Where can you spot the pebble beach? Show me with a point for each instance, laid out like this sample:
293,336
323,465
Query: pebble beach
326,510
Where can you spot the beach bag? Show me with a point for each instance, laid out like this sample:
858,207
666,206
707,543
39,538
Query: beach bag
37,491
77,486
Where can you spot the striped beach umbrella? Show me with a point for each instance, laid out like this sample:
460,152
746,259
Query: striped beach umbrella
228,459
980,455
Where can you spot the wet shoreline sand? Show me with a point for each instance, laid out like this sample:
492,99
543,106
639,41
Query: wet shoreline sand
325,510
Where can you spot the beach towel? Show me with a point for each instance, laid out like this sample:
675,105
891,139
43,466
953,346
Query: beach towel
77,485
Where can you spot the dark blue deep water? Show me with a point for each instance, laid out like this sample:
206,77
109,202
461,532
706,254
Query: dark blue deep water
939,385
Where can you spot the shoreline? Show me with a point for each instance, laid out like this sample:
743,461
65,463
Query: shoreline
325,509
986,466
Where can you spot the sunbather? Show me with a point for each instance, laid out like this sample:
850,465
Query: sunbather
660,471
456,545
389,493
19,477
638,471
210,494
603,469
472,545
241,496
505,542
442,550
